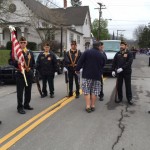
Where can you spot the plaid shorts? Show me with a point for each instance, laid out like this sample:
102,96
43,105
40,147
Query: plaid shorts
90,86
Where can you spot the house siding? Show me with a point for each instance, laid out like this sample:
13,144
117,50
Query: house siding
28,29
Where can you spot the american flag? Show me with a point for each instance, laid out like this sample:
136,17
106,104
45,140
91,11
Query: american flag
17,52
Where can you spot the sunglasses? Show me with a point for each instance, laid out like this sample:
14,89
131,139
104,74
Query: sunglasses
23,42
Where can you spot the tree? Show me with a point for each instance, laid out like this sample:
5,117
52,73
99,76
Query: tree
103,29
138,31
4,8
142,35
144,38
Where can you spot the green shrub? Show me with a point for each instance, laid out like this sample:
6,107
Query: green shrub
31,45
9,45
4,56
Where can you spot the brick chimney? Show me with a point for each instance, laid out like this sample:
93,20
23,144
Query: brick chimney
65,4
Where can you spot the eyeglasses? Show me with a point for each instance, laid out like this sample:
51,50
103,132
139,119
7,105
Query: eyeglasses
23,42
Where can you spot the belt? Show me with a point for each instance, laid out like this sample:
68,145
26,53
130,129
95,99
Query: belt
72,65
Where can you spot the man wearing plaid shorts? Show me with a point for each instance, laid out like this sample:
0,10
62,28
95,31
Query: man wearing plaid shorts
92,62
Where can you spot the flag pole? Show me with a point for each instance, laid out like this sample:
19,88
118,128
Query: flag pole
25,79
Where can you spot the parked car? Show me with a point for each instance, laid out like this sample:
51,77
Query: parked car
7,72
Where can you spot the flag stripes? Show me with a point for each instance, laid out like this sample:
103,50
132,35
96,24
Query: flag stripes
17,52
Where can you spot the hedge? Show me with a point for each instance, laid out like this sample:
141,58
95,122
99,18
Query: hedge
31,45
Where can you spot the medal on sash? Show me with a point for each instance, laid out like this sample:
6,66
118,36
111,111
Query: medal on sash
49,58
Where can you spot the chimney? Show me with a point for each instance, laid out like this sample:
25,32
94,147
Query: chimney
65,4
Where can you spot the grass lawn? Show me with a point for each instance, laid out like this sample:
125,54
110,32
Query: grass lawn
4,56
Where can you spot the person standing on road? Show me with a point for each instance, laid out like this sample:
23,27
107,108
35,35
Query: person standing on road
122,67
92,62
20,82
70,61
101,95
46,64
133,50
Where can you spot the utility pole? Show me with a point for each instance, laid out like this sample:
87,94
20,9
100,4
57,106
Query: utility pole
61,41
101,6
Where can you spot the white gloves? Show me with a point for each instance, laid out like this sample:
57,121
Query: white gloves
65,69
81,70
113,73
119,70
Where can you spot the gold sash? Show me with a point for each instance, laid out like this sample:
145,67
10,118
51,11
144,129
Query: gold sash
73,62
27,68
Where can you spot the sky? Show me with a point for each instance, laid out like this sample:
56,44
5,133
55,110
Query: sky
125,14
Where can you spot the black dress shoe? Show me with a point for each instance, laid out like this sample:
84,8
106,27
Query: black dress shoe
21,111
0,122
77,96
70,95
149,112
28,107
52,96
130,102
118,101
43,95
101,97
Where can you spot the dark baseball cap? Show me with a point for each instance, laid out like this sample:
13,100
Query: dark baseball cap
96,44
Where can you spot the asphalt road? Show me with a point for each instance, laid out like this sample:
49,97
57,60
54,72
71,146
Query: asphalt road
66,125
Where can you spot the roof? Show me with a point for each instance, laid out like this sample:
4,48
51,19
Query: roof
68,16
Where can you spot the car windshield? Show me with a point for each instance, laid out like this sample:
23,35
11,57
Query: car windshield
111,46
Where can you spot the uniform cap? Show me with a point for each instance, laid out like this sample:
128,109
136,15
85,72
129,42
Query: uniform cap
73,43
22,38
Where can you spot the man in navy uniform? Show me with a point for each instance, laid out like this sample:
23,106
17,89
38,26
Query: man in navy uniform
71,59
46,64
122,66
22,89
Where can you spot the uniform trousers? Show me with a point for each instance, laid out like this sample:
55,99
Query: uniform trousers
73,75
50,80
23,89
127,78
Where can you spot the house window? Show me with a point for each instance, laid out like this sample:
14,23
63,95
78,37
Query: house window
78,39
71,37
50,35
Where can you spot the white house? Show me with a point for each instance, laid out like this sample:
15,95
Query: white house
36,22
